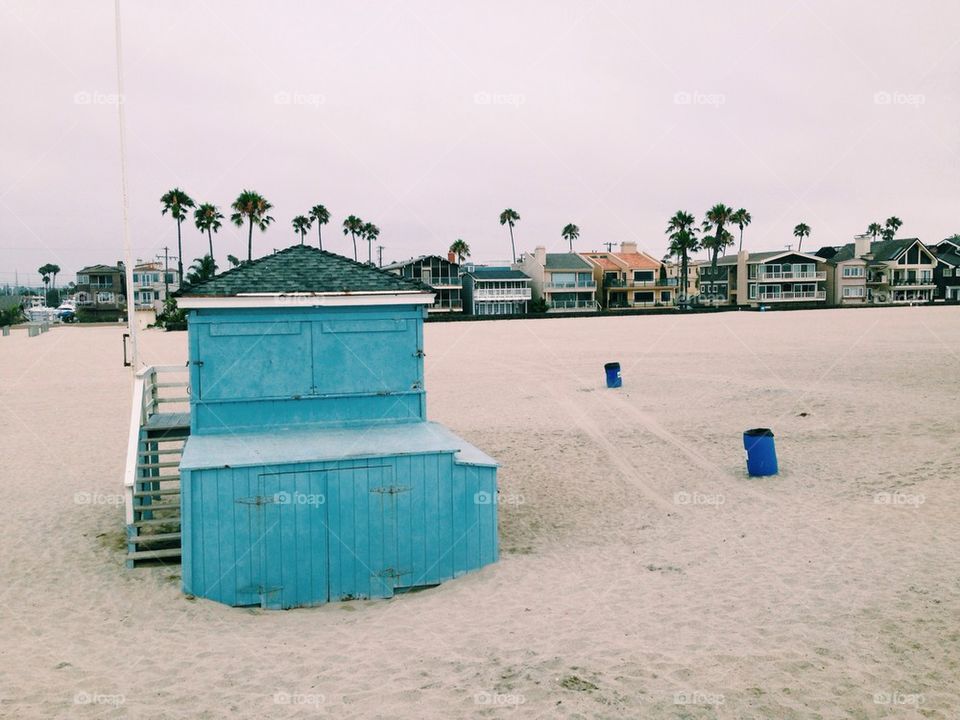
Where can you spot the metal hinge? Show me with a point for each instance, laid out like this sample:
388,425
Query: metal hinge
198,363
391,489
391,573
258,500
417,386
419,354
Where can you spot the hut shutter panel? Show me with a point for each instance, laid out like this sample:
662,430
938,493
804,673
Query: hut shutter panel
366,356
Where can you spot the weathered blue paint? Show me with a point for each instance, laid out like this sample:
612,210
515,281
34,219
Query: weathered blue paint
311,474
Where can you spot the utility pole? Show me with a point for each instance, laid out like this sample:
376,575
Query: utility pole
380,254
609,246
166,270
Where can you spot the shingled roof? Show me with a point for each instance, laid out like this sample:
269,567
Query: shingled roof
301,269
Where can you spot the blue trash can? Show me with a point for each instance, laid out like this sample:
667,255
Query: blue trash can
613,375
761,452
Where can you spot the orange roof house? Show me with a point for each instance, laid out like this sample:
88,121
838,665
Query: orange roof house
630,278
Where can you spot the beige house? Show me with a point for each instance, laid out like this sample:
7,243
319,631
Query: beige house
563,280
887,271
764,278
630,278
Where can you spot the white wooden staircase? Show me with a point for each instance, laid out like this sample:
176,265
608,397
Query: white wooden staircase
159,427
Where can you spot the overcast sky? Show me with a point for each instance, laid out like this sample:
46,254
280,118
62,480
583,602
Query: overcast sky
430,118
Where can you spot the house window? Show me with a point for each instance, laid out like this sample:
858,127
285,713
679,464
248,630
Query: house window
136,277
665,296
642,275
752,292
926,276
83,279
853,272
854,292
752,272
104,297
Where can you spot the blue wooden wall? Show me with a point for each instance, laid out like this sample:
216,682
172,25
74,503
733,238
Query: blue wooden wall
294,535
312,366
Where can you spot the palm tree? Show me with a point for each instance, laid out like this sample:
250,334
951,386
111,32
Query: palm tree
801,231
44,271
233,260
177,203
202,269
207,218
892,224
370,232
301,223
251,207
510,218
460,249
717,216
570,233
741,218
874,229
321,216
353,226
683,241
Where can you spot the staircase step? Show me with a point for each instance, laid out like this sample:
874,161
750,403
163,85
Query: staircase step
153,466
153,554
163,451
155,537
156,506
155,493
157,478
156,521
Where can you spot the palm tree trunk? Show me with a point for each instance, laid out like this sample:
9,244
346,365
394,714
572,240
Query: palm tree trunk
354,238
369,251
179,253
250,242
740,249
319,235
513,248
683,271
210,239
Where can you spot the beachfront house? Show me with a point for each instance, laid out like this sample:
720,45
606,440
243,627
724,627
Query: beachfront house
631,278
846,272
441,274
947,272
893,271
752,279
495,291
564,281
152,284
310,472
100,291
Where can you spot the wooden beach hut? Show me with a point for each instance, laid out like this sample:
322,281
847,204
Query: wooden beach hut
311,473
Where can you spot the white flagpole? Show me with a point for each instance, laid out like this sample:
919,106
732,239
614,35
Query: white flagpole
127,247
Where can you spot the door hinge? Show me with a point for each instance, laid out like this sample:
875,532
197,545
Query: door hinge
417,386
419,353
198,363
258,500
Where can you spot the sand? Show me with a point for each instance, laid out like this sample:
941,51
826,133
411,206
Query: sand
643,575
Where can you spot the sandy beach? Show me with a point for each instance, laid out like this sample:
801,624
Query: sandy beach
642,573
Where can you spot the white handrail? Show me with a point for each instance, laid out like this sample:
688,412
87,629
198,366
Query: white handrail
137,420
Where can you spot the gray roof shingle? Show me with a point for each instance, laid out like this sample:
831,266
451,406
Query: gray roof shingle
301,268
496,273
566,261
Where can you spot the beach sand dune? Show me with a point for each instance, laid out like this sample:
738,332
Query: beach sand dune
642,573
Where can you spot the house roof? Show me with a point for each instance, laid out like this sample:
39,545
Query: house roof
566,261
496,273
638,260
764,256
950,257
98,269
602,261
301,269
418,258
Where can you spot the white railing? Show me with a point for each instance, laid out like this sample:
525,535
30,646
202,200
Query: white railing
572,304
570,286
503,293
799,295
149,394
793,275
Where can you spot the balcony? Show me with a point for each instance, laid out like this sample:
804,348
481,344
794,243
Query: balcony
517,293
794,296
449,306
572,305
913,282
790,276
570,286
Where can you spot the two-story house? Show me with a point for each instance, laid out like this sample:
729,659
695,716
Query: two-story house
441,274
754,279
563,280
947,272
101,288
847,271
495,291
152,284
886,271
630,278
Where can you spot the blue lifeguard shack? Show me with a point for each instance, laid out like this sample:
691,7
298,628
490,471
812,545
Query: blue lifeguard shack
311,473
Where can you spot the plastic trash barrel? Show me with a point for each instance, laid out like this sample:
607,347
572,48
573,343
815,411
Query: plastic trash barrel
761,452
613,375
